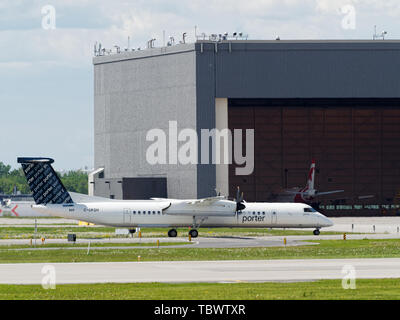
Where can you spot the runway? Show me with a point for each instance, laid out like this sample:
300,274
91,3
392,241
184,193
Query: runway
210,242
199,271
201,242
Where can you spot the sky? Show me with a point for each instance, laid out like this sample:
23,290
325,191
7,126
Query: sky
46,50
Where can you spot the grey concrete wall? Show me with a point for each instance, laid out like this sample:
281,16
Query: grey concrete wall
135,92
107,187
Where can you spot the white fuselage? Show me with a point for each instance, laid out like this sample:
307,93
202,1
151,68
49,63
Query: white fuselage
181,213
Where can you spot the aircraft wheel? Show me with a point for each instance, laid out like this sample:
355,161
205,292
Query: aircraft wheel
172,233
316,232
193,233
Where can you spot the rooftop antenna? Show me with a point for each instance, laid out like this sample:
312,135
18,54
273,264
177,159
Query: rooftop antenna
163,38
376,36
150,43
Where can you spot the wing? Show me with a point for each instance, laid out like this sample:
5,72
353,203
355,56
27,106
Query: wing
205,201
213,206
328,192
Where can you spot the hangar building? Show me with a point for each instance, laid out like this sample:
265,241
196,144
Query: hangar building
337,102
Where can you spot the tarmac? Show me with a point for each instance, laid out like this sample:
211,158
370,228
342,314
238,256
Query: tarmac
199,271
211,271
201,242
341,224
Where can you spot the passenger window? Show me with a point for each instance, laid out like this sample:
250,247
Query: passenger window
154,212
138,212
254,212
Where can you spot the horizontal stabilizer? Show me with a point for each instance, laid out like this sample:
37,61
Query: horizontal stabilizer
328,192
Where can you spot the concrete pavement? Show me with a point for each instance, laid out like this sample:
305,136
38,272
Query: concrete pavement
198,271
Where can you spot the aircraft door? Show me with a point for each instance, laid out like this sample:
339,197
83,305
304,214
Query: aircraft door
274,217
127,216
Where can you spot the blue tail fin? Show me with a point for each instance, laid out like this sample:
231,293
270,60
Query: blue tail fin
43,181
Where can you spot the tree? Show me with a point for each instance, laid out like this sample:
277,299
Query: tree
74,180
4,169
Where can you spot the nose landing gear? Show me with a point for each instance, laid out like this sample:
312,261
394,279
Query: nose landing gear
316,232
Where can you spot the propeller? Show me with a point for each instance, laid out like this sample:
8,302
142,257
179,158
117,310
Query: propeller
239,201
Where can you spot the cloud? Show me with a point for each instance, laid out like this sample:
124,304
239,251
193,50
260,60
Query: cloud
51,70
80,23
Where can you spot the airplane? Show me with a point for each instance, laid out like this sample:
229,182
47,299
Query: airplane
308,194
51,197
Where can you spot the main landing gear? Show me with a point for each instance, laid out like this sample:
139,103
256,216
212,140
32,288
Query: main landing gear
193,233
172,233
316,232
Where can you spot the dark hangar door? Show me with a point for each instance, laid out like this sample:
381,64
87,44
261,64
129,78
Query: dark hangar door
356,145
144,188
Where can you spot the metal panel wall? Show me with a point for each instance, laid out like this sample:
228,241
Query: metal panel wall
355,144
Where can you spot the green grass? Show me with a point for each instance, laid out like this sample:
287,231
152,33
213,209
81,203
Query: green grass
326,249
96,245
55,232
11,232
324,289
32,217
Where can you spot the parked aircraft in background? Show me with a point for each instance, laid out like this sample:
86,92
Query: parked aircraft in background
310,195
307,195
52,198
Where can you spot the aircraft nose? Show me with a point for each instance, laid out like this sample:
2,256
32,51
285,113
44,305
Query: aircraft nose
326,222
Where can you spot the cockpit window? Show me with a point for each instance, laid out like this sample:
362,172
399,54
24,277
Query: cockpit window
309,210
